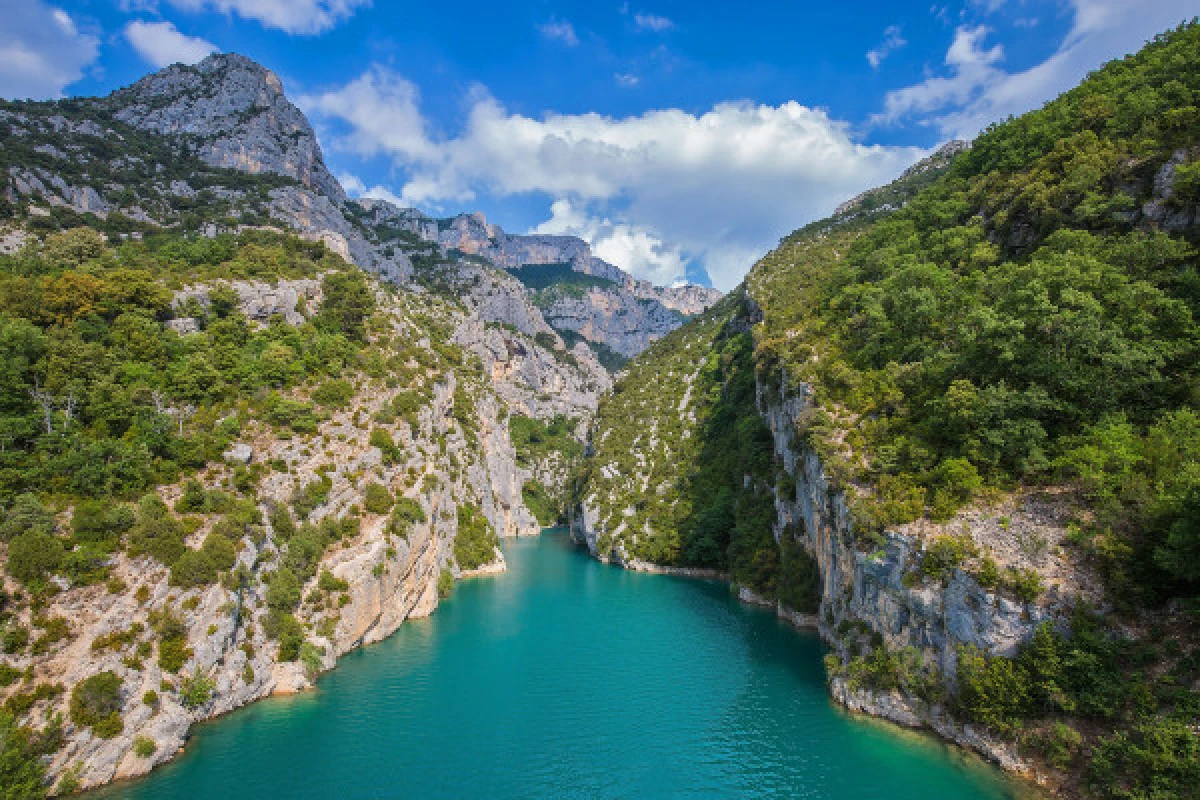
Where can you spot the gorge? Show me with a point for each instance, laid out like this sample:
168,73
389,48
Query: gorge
251,425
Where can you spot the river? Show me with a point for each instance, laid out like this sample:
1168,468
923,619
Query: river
566,678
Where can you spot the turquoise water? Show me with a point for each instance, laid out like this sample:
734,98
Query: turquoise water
565,678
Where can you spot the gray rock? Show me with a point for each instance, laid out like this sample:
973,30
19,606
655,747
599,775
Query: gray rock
240,452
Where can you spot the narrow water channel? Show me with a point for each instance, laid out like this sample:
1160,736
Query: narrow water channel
566,678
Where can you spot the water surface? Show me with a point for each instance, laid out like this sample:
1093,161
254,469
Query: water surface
566,678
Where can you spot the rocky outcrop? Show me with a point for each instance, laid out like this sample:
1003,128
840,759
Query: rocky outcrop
236,112
622,313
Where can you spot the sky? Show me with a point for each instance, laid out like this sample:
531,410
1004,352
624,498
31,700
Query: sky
681,138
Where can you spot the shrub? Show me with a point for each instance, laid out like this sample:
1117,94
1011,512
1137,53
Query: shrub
34,556
333,394
1058,744
173,651
150,698
993,691
156,533
96,704
945,554
445,584
144,746
288,631
14,639
475,542
405,513
390,452
22,773
377,499
27,515
1157,758
312,494
327,582
283,590
195,690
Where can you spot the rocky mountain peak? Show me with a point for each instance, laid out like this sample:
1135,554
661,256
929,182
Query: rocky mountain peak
236,111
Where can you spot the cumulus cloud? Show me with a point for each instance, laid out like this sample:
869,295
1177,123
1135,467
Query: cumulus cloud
291,16
41,51
561,30
892,40
653,189
652,22
975,90
161,44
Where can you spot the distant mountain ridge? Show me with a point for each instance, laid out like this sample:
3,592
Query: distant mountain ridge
229,114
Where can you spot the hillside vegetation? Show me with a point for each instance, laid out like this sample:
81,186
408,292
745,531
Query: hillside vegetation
1021,318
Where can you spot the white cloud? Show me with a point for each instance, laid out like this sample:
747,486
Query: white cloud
161,44
627,79
892,40
976,91
290,16
652,189
42,51
636,249
561,30
652,22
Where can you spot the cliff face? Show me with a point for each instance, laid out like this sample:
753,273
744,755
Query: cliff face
237,112
620,312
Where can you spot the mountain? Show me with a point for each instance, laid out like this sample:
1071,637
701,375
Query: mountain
953,427
175,150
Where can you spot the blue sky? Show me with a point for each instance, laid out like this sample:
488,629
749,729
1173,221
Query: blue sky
681,138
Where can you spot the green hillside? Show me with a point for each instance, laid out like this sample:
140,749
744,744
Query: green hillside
1026,321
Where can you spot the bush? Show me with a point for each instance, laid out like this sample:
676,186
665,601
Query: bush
945,554
445,584
475,543
173,651
22,772
156,533
287,630
993,691
144,747
333,394
14,639
101,522
26,515
196,690
283,590
377,499
308,497
405,513
1157,758
96,704
327,582
34,556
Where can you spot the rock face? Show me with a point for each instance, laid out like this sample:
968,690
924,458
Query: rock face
236,110
622,313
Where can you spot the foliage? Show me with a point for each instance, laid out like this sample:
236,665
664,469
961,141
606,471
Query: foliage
96,703
445,584
377,499
144,747
22,774
475,542
196,689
